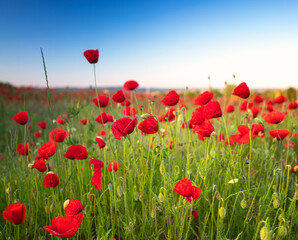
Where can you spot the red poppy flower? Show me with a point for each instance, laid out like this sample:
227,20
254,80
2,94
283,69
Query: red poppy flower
101,143
293,105
46,150
198,116
96,179
97,164
40,165
205,129
242,90
168,116
195,214
129,111
244,136
245,105
50,180
65,227
274,117
149,125
257,129
279,134
184,188
255,111
92,55
123,127
60,135
126,102
76,152
110,117
23,149
101,101
258,99
14,213
62,119
113,166
21,118
84,121
269,107
204,98
196,194
212,110
280,99
230,108
289,144
37,134
171,99
42,125
102,118
294,169
101,133
119,97
74,207
130,85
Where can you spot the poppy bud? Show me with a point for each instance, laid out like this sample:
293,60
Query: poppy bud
222,212
145,115
282,231
160,197
243,204
264,233
275,203
30,165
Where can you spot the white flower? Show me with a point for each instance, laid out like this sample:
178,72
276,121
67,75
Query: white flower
233,180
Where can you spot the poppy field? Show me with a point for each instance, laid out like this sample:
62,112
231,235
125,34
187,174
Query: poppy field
124,164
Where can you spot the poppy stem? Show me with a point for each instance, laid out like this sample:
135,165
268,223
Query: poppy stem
95,84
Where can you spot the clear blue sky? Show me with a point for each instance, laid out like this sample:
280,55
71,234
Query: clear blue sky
160,43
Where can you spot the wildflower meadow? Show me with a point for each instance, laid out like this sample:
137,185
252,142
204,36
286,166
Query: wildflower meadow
125,164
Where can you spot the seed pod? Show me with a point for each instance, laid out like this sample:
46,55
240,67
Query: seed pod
222,212
264,233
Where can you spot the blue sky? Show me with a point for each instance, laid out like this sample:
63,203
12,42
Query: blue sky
164,43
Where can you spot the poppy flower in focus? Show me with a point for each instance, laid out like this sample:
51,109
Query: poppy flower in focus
279,134
184,187
130,85
230,108
92,55
101,101
123,127
280,99
101,143
149,125
76,152
84,121
50,180
242,91
113,166
96,179
196,194
62,119
204,98
60,135
65,227
274,117
21,118
42,125
205,129
46,150
171,99
129,111
212,110
40,165
97,164
14,213
102,118
73,207
119,97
